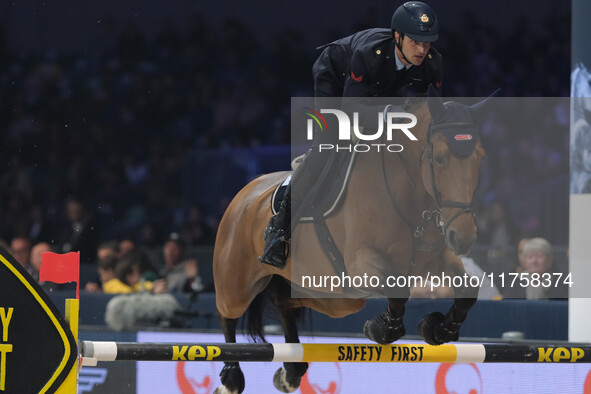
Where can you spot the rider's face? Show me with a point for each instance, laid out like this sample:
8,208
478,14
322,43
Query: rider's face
415,51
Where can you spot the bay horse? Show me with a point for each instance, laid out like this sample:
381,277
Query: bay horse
418,218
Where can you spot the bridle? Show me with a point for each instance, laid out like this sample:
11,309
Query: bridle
431,215
465,207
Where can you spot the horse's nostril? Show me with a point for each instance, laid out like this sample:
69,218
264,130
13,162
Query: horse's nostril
452,238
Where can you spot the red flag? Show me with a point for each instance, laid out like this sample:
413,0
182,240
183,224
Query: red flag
60,268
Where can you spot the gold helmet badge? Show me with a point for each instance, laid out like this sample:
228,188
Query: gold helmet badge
424,18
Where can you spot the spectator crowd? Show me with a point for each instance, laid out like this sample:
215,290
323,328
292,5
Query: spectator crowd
94,139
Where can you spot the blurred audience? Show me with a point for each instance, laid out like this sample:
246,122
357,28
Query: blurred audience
130,273
125,275
106,273
35,267
36,251
126,246
521,255
108,249
79,231
181,274
538,262
495,227
128,278
82,124
21,250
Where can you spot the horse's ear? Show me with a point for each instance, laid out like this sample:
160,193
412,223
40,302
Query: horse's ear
435,103
479,110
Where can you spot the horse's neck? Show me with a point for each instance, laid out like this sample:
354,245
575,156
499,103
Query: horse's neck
406,169
398,174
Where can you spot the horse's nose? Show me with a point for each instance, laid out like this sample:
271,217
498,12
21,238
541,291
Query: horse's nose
460,243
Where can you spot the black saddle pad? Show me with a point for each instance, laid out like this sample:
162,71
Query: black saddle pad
330,201
278,195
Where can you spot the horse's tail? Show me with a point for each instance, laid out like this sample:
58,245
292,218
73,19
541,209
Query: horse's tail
273,299
254,316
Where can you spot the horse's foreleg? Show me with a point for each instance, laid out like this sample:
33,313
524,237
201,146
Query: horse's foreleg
464,300
231,375
388,326
436,328
288,378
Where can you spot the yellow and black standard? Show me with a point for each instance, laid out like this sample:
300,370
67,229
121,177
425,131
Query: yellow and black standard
37,348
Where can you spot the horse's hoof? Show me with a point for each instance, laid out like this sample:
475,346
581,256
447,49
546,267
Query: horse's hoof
280,382
384,329
447,331
224,390
294,373
427,327
232,379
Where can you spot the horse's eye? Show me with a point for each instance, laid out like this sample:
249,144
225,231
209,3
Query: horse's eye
440,160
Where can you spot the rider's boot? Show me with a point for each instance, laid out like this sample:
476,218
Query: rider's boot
278,232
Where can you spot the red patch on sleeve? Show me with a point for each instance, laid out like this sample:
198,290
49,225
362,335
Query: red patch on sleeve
356,79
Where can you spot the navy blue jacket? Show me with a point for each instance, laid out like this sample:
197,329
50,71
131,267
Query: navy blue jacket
364,65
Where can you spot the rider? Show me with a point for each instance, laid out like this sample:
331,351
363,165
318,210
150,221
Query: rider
377,62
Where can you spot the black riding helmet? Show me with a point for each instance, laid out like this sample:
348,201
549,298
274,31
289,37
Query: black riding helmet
416,20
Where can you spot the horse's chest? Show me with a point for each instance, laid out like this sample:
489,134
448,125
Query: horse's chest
428,263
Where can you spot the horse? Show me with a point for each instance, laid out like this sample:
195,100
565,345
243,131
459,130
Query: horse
418,218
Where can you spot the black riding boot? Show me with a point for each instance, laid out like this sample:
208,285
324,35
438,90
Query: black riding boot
277,233
307,176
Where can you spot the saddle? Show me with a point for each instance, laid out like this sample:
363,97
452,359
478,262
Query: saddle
330,201
324,205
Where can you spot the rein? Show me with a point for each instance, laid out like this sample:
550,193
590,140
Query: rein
419,244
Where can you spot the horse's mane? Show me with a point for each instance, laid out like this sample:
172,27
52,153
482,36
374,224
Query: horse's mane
412,104
418,106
